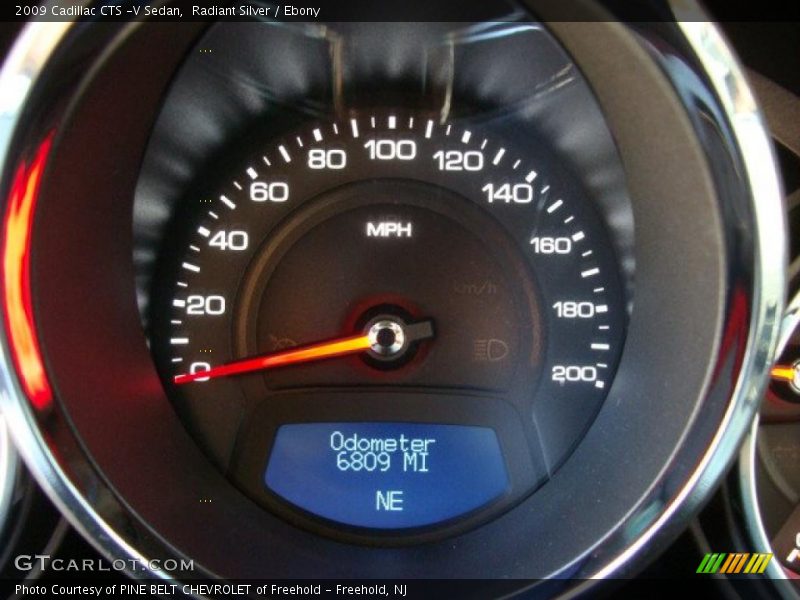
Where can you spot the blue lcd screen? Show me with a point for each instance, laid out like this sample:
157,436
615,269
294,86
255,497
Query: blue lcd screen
387,475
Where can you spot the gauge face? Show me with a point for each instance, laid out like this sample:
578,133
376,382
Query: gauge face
387,324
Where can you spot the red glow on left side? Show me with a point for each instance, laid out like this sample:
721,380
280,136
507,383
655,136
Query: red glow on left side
20,325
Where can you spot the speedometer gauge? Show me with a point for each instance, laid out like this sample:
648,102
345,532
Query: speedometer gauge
389,323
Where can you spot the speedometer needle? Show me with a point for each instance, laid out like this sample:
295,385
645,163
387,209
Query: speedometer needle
387,337
293,356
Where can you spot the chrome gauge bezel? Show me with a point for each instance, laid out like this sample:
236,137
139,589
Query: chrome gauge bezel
745,294
9,465
746,474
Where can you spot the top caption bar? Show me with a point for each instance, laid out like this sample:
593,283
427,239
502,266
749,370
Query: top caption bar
371,10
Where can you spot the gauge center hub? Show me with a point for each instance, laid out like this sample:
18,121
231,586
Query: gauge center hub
387,338
393,340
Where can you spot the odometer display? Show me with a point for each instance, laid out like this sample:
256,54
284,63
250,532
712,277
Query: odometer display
382,275
390,464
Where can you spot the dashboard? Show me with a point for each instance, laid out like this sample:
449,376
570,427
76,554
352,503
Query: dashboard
501,298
